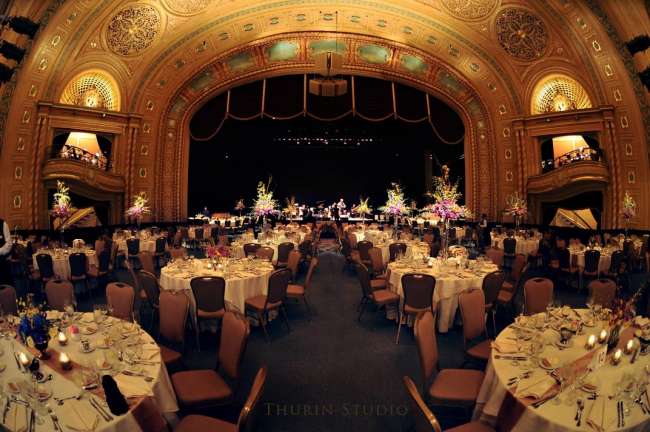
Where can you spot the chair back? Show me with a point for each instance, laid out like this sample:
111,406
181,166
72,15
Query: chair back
250,411
614,266
251,249
305,247
564,257
517,268
603,291
185,233
198,234
491,285
234,334
395,249
146,260
538,292
364,279
265,252
283,251
278,282
149,417
592,259
425,339
99,246
148,282
310,272
510,246
376,259
178,252
133,246
174,307
435,249
8,300
209,292
452,233
472,312
418,290
59,293
78,264
120,297
364,246
495,255
45,265
292,263
104,261
161,245
424,419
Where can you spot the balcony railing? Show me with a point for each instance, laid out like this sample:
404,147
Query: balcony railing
577,155
95,160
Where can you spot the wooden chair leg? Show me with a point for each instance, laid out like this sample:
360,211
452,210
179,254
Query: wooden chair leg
400,318
263,324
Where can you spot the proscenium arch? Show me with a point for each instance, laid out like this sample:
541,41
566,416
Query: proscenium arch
171,181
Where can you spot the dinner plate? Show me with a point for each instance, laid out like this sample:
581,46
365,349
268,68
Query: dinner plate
89,350
559,344
89,330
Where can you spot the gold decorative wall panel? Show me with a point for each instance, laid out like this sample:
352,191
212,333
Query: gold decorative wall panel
92,89
558,92
133,29
522,34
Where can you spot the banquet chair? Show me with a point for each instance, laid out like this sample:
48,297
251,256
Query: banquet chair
590,271
149,285
449,387
59,293
538,292
184,233
209,292
509,287
418,296
435,249
99,245
602,291
79,269
147,261
424,419
173,307
295,291
509,253
266,253
363,247
617,266
451,237
472,311
148,416
292,263
262,304
377,261
177,252
203,388
161,250
495,255
306,250
120,297
198,234
352,238
250,249
45,265
395,249
8,300
247,416
492,283
283,254
379,297
133,249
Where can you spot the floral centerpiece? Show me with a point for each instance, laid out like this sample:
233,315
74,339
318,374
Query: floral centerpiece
292,208
446,196
62,207
362,209
264,205
33,329
139,208
629,209
240,206
516,207
396,203
217,252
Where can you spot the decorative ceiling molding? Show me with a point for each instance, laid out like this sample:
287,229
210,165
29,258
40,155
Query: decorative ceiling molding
521,33
470,10
133,29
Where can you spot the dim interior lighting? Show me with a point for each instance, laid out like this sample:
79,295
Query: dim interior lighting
83,140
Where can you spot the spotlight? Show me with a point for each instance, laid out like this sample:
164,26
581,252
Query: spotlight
5,72
20,25
11,51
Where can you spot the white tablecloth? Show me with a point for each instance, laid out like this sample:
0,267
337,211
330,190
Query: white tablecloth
61,263
160,388
148,245
524,246
450,282
603,263
551,416
241,283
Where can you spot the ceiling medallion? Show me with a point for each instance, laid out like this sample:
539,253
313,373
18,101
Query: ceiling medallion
133,29
187,7
522,34
470,9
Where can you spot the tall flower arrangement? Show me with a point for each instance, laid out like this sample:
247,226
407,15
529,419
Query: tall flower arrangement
629,209
446,196
363,208
516,206
62,207
396,204
264,205
240,206
139,208
292,208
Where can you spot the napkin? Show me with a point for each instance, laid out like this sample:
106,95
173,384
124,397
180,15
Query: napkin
53,314
132,386
598,418
534,387
149,353
505,347
642,322
87,317
78,415
17,417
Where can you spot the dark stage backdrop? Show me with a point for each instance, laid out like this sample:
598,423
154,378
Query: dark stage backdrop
316,160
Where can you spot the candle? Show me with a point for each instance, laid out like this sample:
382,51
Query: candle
591,341
617,356
602,337
22,358
65,362
629,347
63,339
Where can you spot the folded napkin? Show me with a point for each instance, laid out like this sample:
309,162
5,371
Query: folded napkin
505,347
149,353
53,315
598,418
78,415
534,387
17,418
132,386
87,317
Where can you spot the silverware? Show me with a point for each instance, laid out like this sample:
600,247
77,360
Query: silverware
541,402
6,410
61,400
132,373
506,357
55,419
581,408
100,409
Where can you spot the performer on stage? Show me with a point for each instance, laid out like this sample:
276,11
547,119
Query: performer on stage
205,212
339,208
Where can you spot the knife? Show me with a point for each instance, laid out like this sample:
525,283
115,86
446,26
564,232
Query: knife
107,417
6,410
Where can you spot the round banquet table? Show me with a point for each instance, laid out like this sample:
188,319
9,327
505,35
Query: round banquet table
450,282
237,247
603,263
524,246
139,349
148,245
244,278
60,261
497,400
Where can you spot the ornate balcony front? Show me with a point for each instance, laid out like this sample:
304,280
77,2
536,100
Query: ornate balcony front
83,173
571,178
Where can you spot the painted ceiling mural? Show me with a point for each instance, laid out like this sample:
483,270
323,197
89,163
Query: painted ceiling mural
487,53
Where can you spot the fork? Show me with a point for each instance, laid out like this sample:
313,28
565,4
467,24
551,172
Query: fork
55,419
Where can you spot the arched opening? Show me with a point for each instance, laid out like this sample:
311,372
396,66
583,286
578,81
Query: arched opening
319,149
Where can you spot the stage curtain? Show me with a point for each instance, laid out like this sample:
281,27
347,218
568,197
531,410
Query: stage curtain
374,98
283,98
207,122
330,108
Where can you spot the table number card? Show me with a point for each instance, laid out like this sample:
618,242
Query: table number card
599,358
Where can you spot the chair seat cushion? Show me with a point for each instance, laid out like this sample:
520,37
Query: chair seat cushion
414,311
193,423
504,296
77,278
470,427
384,297
210,314
481,350
169,356
377,284
259,301
508,286
200,387
295,290
459,385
